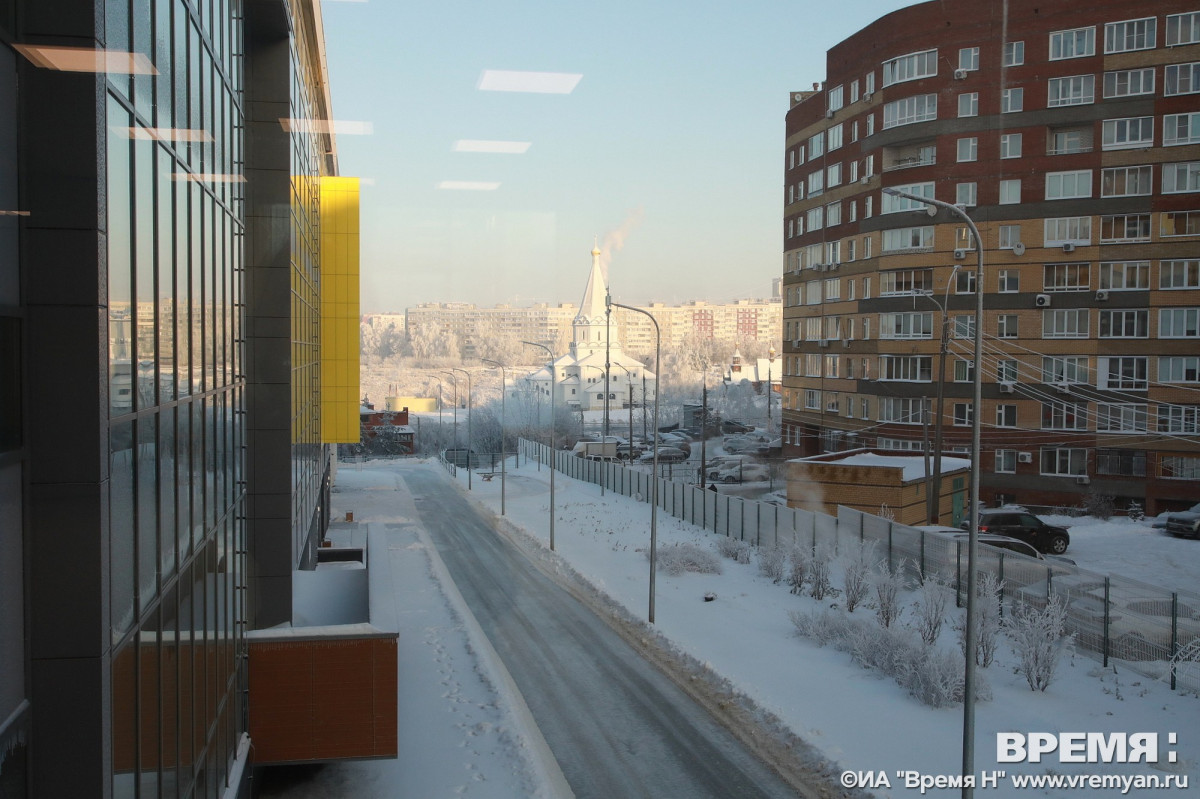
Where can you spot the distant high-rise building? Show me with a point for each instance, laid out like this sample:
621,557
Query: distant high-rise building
1070,135
173,368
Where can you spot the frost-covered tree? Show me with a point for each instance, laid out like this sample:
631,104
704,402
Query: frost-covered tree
1036,636
931,610
801,562
856,573
820,573
988,591
887,587
772,562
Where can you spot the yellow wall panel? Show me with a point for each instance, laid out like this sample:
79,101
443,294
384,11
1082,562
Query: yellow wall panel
339,310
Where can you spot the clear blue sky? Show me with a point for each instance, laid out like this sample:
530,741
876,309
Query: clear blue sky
674,133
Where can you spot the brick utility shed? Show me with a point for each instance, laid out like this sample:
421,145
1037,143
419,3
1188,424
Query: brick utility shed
868,480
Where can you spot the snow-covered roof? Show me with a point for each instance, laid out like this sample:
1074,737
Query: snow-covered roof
913,466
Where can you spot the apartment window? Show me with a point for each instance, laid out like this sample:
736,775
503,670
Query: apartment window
1129,82
1179,467
1183,419
1075,43
1064,415
833,176
968,104
1179,275
1132,34
1010,145
1066,277
1064,369
909,67
1181,79
1119,134
1120,417
1179,369
964,281
891,203
1069,185
815,218
812,400
902,281
1124,228
962,414
1181,129
1006,325
835,99
1064,461
816,183
1069,140
833,216
864,406
1124,275
831,366
833,137
912,238
1181,178
871,127
968,58
908,111
1127,181
868,166
1065,323
1014,54
833,289
913,325
1010,194
906,368
1125,323
1183,28
963,326
1009,280
968,149
854,171
854,93
816,146
1122,374
1123,462
964,239
1012,100
869,82
966,194
1179,223
866,284
1073,90
901,411
963,370
1006,416
1067,230
1006,459
1179,323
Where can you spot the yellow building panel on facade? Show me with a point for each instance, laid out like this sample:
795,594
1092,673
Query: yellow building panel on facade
339,310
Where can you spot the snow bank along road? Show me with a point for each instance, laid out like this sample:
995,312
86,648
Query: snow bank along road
616,725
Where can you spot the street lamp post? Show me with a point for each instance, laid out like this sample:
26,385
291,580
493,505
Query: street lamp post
970,633
503,457
469,452
629,379
454,380
550,367
933,504
608,301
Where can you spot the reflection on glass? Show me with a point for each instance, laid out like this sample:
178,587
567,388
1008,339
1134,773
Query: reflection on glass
147,528
121,510
120,272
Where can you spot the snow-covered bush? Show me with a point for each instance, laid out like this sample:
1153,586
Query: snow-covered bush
801,560
987,620
1099,504
772,562
887,586
1036,636
734,549
931,609
933,677
680,558
820,573
1135,511
857,573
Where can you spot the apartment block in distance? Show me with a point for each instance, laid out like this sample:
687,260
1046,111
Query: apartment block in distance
167,185
1070,134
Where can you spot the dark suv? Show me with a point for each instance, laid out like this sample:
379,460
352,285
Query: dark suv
1025,526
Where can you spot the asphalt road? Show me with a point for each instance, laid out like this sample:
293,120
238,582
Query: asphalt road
616,725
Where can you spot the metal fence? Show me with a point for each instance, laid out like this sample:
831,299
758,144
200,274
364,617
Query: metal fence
1150,629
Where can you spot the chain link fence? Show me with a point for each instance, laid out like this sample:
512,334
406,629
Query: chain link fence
1151,630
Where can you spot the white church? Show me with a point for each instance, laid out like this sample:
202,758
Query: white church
577,379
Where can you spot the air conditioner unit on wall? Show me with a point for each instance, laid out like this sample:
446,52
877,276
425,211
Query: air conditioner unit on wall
1024,457
959,74
1083,480
1068,247
1102,294
960,254
1006,388
866,95
1041,301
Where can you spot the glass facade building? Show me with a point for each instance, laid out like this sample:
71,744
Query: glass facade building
162,465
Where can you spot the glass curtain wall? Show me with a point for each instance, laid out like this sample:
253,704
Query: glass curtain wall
175,231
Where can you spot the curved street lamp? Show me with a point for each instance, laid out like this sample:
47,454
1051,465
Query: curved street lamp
469,469
503,391
970,633
608,301
454,380
550,368
933,494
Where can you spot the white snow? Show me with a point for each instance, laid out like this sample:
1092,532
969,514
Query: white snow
456,723
914,467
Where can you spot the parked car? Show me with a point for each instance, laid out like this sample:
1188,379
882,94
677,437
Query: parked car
744,473
665,455
733,426
1185,524
1011,545
1023,525
718,463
